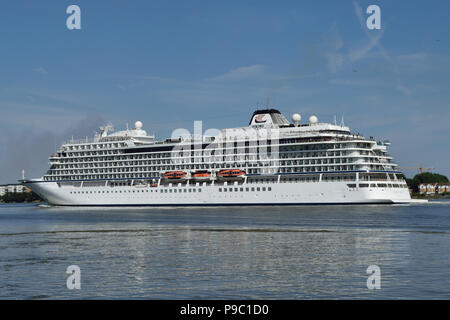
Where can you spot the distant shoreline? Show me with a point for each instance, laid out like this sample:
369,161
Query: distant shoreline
15,202
432,196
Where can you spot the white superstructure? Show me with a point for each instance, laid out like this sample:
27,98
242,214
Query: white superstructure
270,162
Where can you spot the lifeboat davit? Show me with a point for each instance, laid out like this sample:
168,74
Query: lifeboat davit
201,175
174,175
231,174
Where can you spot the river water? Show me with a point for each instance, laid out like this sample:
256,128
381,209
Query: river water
307,252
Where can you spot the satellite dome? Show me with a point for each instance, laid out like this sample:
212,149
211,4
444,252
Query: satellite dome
296,117
138,125
313,120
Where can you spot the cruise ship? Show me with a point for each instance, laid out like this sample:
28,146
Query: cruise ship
272,161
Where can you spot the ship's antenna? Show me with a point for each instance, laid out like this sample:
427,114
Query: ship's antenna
267,101
23,174
342,121
335,120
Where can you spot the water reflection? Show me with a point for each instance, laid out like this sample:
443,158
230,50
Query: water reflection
215,253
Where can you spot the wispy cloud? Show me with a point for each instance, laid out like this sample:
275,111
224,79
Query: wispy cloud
41,70
403,89
360,52
241,73
351,82
373,40
418,56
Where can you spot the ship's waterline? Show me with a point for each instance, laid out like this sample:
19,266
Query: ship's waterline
270,162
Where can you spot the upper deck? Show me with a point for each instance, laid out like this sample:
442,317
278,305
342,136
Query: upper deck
269,145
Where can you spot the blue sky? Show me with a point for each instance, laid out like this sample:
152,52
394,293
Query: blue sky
168,63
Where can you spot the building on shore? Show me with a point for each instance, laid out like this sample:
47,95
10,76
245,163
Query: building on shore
434,188
12,188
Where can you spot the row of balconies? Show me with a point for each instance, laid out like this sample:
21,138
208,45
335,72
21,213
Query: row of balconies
295,147
95,175
219,158
312,167
359,160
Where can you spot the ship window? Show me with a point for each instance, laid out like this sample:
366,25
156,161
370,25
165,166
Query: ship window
363,185
253,188
258,189
247,189
236,189
242,189
269,189
199,190
220,189
264,189
224,189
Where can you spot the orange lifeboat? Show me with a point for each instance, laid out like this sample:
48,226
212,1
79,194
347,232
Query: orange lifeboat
174,175
231,173
201,175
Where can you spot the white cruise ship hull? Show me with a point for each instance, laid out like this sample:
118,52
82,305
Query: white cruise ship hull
321,193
